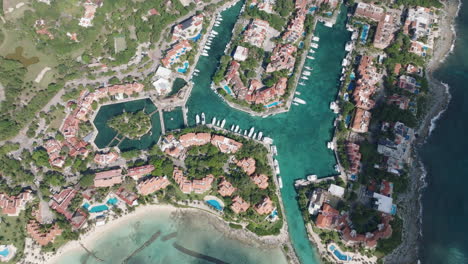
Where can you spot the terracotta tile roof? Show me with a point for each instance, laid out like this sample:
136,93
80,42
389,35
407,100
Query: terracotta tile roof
108,178
42,238
138,172
239,205
127,196
265,206
105,159
12,205
225,188
261,180
247,165
152,185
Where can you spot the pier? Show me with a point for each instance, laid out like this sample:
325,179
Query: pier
146,244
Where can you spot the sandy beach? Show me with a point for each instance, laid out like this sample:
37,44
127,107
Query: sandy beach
407,252
177,214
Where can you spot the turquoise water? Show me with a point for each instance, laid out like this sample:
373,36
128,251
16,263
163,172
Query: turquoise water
112,201
5,252
106,134
184,68
193,232
338,253
445,157
98,208
215,204
300,134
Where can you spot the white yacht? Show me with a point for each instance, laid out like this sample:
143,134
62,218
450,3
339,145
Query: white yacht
312,177
223,123
203,121
277,168
245,132
299,100
274,150
302,83
298,93
331,145
314,45
237,129
316,39
254,135
213,121
232,128
280,182
312,51
197,119
260,135
306,73
308,68
304,78
294,103
251,132
218,124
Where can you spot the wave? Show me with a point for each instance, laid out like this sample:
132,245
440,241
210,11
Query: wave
454,32
437,117
423,181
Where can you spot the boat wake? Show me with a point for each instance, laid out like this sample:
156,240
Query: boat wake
437,117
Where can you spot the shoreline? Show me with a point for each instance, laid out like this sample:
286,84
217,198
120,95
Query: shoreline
246,237
439,100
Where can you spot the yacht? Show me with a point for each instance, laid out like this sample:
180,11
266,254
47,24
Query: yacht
203,121
254,135
277,168
237,129
213,121
197,119
312,177
306,73
337,168
294,103
251,132
298,93
304,78
312,51
260,135
245,132
308,68
196,70
331,145
218,124
280,182
316,39
274,150
223,123
232,128
299,100
302,83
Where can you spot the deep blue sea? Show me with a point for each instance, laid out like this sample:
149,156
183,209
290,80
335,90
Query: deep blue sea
445,157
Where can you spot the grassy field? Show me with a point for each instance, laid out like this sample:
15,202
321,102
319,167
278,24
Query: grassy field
119,44
13,231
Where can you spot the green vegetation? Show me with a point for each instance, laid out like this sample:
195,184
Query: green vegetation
385,246
204,160
364,219
424,3
131,125
277,22
14,232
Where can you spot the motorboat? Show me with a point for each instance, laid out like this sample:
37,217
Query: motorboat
237,129
203,121
213,121
260,135
197,119
223,123
251,132
299,100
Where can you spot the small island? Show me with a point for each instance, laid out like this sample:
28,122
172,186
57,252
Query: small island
131,125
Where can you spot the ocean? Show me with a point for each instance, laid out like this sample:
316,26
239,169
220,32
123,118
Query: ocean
445,157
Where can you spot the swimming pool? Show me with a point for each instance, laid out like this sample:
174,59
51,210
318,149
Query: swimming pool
99,208
112,201
5,252
183,69
227,89
338,253
215,204
86,206
272,104
365,32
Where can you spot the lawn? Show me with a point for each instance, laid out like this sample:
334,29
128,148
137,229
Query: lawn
13,232
119,44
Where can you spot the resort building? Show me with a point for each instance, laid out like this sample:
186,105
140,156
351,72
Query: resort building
172,147
53,148
388,22
336,190
189,29
152,185
282,58
241,53
175,52
106,158
384,203
265,206
225,145
264,5
354,157
195,139
12,205
108,178
398,151
90,9
256,32
239,205
138,172
368,78
361,121
261,180
60,203
198,186
225,188
295,27
399,100
232,78
318,197
420,24
386,188
368,240
247,165
256,95
128,197
327,218
43,238
409,83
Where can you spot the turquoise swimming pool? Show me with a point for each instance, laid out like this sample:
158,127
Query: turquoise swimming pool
215,204
4,252
338,254
99,208
272,104
227,89
183,69
112,201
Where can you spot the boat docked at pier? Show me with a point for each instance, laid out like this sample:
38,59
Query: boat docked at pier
237,129
251,132
314,45
316,39
213,121
331,145
203,121
277,168
232,127
223,123
197,119
260,135
311,57
280,182
306,73
304,78
302,83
